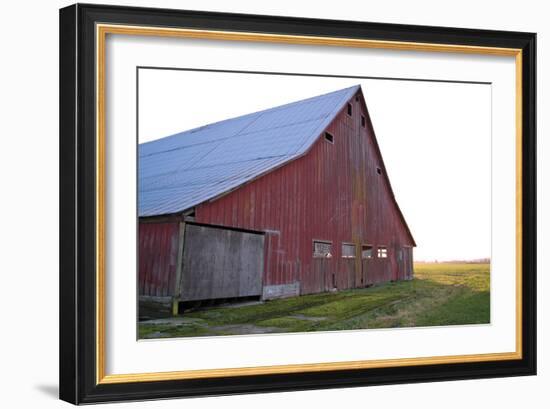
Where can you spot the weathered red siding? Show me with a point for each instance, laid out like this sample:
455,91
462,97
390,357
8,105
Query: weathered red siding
158,252
333,193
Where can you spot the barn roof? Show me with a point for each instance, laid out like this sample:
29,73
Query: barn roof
181,171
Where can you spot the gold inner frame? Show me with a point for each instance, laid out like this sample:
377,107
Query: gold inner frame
101,32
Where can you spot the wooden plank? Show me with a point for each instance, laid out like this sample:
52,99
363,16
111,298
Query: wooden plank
179,265
271,292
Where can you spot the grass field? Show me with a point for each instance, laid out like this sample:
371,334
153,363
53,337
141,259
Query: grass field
440,294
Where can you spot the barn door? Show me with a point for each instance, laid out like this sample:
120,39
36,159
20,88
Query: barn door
221,263
366,257
407,263
400,264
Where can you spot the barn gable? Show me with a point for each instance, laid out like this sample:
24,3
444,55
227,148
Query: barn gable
188,168
383,171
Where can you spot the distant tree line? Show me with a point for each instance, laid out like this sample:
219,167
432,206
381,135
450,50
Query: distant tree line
472,261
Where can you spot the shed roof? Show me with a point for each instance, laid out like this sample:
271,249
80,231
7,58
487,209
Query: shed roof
183,170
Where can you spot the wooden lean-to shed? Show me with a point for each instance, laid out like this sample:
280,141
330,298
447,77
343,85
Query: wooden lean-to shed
288,201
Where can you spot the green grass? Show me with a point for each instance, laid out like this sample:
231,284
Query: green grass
440,294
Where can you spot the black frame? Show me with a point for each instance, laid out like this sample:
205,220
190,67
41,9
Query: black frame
77,204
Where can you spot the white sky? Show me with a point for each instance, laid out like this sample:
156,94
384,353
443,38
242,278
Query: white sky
435,139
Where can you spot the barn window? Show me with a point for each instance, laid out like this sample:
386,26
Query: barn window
348,250
363,121
382,252
366,251
329,137
349,109
378,170
322,249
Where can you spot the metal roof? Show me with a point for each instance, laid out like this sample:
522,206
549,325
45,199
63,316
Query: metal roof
183,170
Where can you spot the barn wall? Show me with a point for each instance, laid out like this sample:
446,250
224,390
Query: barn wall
333,193
158,252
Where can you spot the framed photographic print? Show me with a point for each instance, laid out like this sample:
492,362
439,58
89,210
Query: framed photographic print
258,203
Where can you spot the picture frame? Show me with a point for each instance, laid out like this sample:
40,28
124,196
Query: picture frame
83,284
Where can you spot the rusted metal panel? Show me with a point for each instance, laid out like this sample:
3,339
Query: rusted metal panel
337,192
158,252
221,263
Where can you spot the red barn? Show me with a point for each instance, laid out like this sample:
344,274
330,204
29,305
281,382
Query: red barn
287,201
